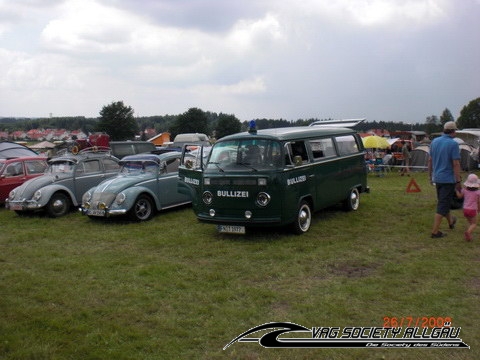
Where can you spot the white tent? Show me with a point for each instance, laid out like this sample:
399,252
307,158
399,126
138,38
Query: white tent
43,145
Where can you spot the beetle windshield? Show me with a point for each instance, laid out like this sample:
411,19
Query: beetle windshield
245,154
139,167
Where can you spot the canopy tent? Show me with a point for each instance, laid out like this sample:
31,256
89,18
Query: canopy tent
12,150
469,136
43,145
419,157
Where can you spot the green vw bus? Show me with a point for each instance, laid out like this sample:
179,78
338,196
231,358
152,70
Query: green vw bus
274,177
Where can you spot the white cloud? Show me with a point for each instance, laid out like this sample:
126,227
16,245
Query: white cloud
253,34
395,13
251,86
23,71
287,58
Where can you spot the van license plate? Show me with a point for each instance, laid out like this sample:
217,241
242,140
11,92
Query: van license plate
230,229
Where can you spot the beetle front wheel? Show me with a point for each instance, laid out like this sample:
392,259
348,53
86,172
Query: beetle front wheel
58,205
142,209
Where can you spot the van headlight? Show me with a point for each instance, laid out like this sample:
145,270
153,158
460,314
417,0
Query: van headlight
37,195
263,199
207,197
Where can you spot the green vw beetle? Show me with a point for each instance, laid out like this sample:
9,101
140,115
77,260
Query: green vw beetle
146,183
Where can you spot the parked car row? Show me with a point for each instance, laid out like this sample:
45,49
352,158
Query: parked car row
101,186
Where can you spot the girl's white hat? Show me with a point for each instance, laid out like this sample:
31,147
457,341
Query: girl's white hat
472,181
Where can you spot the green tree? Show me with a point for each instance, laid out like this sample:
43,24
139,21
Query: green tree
432,124
226,125
192,121
446,117
117,121
470,115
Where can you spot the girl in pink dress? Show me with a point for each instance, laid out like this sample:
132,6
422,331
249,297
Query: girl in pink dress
471,203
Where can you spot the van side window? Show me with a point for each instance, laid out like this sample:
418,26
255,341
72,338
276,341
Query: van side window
346,145
322,148
298,149
144,148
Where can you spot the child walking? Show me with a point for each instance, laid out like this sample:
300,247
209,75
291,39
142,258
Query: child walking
471,203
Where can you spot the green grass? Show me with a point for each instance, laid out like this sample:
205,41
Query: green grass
173,288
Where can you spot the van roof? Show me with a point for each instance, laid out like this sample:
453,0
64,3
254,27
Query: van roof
291,133
190,137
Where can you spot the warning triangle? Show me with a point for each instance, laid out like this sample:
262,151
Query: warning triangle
413,187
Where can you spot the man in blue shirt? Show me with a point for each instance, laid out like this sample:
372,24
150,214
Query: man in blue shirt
444,171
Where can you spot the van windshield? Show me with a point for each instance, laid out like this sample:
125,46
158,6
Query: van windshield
245,154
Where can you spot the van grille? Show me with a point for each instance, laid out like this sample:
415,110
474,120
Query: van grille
237,182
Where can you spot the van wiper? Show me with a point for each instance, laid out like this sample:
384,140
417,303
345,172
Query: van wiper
216,164
247,166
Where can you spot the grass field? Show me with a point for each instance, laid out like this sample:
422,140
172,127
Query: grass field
172,288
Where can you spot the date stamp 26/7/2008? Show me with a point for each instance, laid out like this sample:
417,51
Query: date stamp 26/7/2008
417,321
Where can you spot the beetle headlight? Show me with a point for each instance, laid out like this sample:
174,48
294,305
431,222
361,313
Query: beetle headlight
207,197
37,195
120,198
263,199
11,195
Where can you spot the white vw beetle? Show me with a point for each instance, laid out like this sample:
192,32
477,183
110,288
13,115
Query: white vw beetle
63,184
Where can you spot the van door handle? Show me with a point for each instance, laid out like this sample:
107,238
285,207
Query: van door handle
311,176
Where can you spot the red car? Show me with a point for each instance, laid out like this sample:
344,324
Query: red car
14,172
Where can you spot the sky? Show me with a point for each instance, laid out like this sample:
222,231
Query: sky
383,60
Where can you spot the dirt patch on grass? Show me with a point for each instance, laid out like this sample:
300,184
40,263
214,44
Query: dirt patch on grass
352,270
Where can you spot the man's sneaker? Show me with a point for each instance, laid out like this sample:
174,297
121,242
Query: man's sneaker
454,221
438,235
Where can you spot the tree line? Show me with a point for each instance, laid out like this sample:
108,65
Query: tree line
118,120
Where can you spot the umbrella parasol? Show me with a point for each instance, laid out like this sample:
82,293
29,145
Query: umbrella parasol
375,142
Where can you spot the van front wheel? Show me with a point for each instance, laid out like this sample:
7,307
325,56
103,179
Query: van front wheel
353,201
304,218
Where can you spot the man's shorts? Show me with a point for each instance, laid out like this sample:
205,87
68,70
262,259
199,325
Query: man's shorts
445,193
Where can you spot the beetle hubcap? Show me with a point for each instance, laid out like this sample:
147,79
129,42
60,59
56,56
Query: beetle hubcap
58,204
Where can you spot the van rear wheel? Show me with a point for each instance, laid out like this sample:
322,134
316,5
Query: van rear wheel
304,218
353,201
